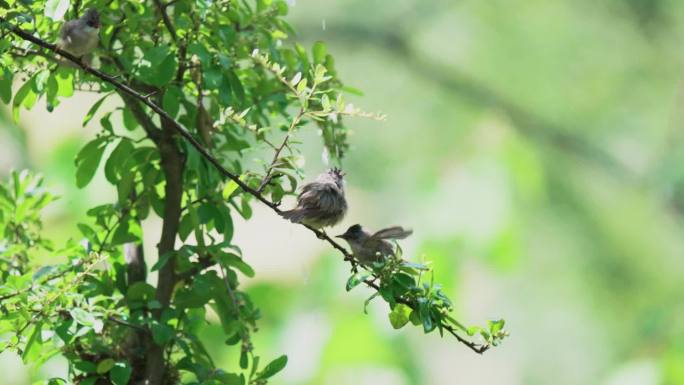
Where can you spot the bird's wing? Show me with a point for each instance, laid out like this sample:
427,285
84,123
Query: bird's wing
324,196
67,29
373,246
394,232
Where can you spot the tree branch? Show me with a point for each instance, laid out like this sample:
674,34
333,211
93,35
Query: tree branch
127,324
163,295
276,155
166,19
172,163
134,254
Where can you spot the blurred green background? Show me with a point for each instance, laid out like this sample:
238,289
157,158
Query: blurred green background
536,148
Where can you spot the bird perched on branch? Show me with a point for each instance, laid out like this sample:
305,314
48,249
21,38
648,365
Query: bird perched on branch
321,203
367,247
80,37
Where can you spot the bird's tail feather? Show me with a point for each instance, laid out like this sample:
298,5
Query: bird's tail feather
294,215
395,232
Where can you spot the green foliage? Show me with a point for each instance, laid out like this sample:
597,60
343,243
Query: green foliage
21,200
224,70
412,295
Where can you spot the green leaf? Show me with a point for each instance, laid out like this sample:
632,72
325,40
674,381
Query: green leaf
233,260
355,280
244,360
126,231
425,316
201,51
52,90
325,102
114,164
6,78
105,365
225,309
165,71
185,298
230,188
161,333
29,349
158,66
65,81
140,291
319,52
162,261
319,74
85,366
125,186
105,123
236,85
55,9
228,378
171,100
301,87
88,232
399,316
417,266
274,367
120,373
495,326
41,81
87,161
415,318
404,280
24,97
185,227
227,224
245,208
82,317
93,110
212,78
129,120
88,381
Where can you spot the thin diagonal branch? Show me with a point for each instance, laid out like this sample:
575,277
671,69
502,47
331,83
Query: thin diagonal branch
180,129
127,324
126,89
166,19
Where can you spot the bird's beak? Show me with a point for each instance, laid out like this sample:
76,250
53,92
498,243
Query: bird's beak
340,236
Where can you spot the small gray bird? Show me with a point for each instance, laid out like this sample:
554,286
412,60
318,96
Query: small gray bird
80,37
369,248
321,203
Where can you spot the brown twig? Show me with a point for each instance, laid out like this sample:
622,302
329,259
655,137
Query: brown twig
269,173
166,19
125,323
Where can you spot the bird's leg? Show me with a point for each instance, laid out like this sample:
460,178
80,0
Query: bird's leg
320,233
